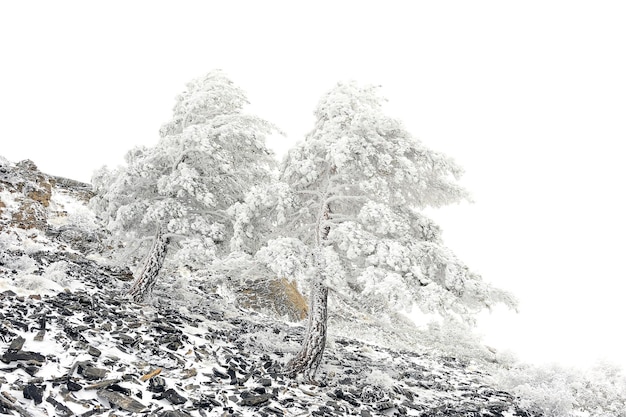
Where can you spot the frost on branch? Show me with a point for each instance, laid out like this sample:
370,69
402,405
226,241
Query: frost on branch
208,157
355,189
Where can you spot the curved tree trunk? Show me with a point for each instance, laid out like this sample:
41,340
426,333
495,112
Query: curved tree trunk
144,283
309,358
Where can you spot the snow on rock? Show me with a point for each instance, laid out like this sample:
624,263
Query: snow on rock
71,343
90,352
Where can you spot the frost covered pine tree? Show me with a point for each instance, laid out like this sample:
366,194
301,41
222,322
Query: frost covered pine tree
208,157
348,209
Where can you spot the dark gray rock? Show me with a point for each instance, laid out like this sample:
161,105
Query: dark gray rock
73,386
60,408
164,327
173,413
122,401
255,400
156,384
16,344
175,345
93,373
172,396
22,355
95,352
220,374
33,392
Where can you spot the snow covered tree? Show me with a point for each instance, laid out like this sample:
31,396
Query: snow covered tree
208,157
351,193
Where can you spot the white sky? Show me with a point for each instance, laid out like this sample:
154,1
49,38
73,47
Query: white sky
530,97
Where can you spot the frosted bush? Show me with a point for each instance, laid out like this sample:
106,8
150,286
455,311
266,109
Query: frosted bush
560,392
24,264
380,379
36,283
57,272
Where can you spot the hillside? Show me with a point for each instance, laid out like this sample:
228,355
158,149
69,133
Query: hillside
71,344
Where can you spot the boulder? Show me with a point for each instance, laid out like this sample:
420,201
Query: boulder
279,296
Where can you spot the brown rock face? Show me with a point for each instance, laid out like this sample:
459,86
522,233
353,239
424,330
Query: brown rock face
279,296
32,192
36,190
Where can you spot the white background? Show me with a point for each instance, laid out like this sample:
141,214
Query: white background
530,97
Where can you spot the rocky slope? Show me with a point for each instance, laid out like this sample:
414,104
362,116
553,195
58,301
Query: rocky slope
71,344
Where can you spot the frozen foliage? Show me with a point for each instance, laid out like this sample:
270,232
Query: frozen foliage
352,193
557,392
208,157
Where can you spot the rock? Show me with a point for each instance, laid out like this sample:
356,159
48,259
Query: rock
173,413
61,409
255,400
280,296
22,355
189,373
126,339
91,373
33,392
103,384
16,344
157,384
122,401
164,327
220,374
94,351
175,345
73,386
172,396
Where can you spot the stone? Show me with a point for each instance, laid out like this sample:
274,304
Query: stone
16,344
94,351
280,296
164,327
255,400
61,409
73,386
126,339
220,374
103,384
92,373
189,373
122,401
173,413
156,384
33,392
175,345
173,397
22,355
266,382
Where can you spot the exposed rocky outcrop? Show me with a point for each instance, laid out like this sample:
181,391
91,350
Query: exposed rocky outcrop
101,354
279,296
30,199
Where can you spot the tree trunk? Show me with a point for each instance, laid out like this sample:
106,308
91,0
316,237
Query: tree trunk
309,358
144,283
